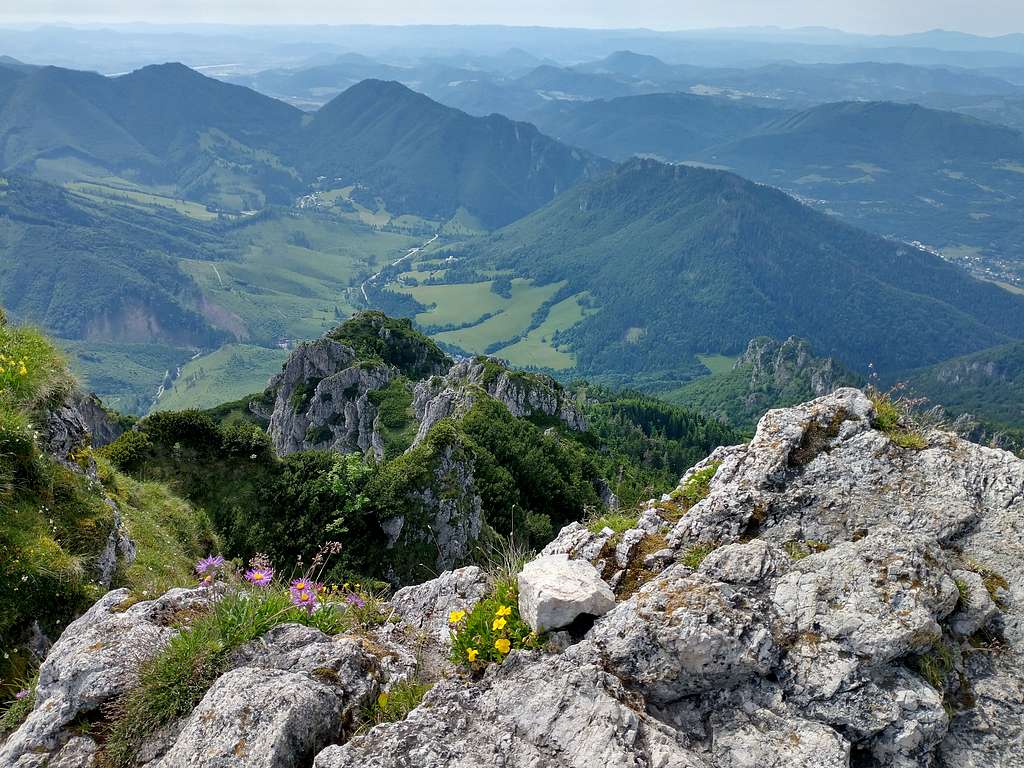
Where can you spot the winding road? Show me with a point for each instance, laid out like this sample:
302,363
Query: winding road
412,252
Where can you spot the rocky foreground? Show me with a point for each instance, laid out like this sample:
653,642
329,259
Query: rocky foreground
834,600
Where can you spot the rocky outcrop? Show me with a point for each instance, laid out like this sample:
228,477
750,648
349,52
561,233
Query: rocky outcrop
829,599
321,400
103,427
526,395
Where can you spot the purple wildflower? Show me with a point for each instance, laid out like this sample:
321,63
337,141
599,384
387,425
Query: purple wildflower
261,577
208,564
22,694
356,600
305,598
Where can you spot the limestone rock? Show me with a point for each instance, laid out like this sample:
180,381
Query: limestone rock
682,634
529,712
554,591
262,718
425,607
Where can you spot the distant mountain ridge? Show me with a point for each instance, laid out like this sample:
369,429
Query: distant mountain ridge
235,149
686,260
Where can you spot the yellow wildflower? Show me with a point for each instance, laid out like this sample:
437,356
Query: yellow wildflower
497,624
503,645
472,653
382,701
23,371
504,611
456,616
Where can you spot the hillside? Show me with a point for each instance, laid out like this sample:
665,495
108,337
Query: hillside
989,385
684,260
769,374
425,158
670,126
941,178
174,132
72,526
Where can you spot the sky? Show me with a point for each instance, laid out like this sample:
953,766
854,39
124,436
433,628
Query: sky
985,17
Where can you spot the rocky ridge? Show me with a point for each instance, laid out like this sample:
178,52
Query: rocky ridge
828,599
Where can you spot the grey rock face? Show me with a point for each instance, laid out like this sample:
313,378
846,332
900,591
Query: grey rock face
528,713
322,401
554,591
682,634
102,428
264,718
425,607
524,394
93,662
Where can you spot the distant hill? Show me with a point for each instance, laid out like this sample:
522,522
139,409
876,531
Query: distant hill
161,125
942,178
769,374
671,126
89,272
988,384
685,260
190,136
423,157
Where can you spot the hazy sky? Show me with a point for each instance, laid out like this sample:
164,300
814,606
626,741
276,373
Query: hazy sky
879,16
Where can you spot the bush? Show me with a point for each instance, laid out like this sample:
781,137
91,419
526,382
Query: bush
129,451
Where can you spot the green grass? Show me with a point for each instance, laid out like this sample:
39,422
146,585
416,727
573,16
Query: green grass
718,363
619,522
514,318
458,303
894,420
225,375
125,376
141,200
298,274
174,681
694,556
394,705
538,348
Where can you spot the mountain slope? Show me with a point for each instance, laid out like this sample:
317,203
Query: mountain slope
921,174
684,260
422,157
673,126
769,374
163,124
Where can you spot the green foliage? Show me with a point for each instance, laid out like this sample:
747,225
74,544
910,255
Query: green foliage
694,556
375,336
20,702
964,591
129,450
397,421
56,522
995,583
698,485
481,637
619,522
174,680
395,704
645,443
893,417
741,258
936,665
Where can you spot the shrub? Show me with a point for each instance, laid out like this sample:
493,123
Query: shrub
491,630
129,451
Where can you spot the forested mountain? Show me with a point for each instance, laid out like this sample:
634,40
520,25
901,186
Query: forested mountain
671,126
421,156
921,174
989,385
97,272
181,134
683,260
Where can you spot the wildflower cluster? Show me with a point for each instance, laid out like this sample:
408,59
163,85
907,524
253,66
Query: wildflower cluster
11,366
491,630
